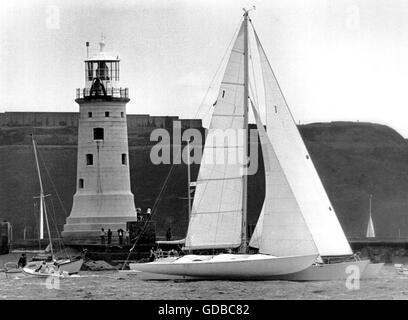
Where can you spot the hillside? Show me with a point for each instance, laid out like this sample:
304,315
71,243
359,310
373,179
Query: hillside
353,160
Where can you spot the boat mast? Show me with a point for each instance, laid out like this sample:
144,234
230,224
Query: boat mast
188,180
41,216
244,239
42,199
370,197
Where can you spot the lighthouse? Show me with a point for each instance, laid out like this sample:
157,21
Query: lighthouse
103,198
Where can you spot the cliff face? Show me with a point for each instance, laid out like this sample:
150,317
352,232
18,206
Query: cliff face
353,160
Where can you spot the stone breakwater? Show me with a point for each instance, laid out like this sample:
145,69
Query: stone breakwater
385,254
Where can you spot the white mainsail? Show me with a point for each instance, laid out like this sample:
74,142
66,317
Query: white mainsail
281,229
216,215
299,170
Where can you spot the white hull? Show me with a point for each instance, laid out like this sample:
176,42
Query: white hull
372,270
62,268
228,266
326,272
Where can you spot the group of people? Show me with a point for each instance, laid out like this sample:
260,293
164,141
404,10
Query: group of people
157,254
121,234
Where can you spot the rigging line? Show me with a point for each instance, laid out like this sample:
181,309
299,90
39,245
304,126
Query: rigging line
154,210
217,71
54,219
253,75
52,182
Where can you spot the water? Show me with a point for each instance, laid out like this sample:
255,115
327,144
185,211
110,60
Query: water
114,285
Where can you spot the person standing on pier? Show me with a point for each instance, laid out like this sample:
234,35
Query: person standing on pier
168,234
22,261
109,236
127,237
120,236
102,235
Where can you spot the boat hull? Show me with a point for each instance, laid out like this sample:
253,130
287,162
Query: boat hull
372,270
326,272
71,267
229,266
67,267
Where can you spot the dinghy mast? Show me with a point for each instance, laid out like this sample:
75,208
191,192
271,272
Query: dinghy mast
42,204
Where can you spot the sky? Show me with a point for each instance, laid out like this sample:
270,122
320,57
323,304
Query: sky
335,60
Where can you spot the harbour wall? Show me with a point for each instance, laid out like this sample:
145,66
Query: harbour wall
70,119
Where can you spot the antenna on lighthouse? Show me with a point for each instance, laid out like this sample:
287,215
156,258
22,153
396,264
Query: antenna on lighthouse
102,43
87,50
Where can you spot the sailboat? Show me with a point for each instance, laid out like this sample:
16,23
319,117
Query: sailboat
56,267
219,211
370,228
373,269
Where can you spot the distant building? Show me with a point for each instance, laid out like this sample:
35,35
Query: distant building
70,119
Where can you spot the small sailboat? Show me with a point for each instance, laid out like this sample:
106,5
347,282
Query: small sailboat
219,211
55,267
373,269
370,228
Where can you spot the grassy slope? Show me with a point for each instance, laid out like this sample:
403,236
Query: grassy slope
353,160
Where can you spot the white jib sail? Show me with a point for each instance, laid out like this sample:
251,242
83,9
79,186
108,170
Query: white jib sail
216,215
370,229
281,229
300,172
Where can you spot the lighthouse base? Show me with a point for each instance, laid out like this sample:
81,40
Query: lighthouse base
87,230
90,213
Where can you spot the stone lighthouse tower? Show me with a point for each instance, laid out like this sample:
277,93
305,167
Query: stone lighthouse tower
103,198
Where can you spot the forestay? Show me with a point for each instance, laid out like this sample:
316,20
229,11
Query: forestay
281,229
298,167
216,215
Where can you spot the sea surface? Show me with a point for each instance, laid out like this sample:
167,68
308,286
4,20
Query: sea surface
115,285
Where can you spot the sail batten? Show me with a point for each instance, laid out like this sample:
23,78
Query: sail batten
301,174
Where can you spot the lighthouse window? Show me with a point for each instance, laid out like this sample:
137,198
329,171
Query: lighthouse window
103,71
122,114
89,159
124,158
98,133
106,114
89,114
90,71
81,183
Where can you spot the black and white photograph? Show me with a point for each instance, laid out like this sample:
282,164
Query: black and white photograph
191,150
